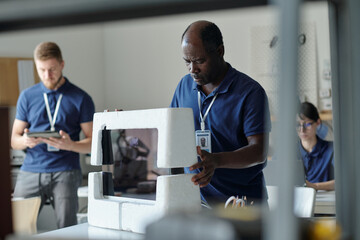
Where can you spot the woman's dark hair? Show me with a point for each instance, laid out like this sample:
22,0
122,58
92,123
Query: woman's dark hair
308,110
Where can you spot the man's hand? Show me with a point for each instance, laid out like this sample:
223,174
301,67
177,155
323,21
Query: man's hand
30,142
209,163
63,143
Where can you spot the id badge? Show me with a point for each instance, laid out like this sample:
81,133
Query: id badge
52,149
203,139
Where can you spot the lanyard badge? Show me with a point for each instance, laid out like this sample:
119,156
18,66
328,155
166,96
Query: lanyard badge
52,149
52,119
203,137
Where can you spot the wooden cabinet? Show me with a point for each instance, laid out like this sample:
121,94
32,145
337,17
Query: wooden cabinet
9,80
5,183
326,115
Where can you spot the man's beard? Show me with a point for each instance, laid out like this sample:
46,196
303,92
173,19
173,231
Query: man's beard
56,84
58,81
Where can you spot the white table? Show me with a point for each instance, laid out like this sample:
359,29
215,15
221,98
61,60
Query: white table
86,231
325,203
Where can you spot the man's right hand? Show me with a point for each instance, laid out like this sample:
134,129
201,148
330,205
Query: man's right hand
30,142
208,164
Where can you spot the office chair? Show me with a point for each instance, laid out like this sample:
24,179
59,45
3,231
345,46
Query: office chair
25,212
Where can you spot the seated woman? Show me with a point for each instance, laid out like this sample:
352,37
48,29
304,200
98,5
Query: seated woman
316,154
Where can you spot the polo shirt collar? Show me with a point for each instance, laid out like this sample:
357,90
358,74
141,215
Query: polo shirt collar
318,149
224,85
60,90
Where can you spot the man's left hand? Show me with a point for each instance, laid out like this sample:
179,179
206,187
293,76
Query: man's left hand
63,143
209,163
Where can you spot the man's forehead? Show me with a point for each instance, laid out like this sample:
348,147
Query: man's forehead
49,63
192,45
193,55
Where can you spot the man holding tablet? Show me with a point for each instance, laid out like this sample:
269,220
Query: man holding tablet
49,118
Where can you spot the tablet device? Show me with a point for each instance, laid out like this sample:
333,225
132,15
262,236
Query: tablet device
44,134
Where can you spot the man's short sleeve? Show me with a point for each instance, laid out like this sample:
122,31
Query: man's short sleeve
87,109
174,102
21,109
257,114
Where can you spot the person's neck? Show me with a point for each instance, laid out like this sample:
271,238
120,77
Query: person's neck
210,87
61,82
309,144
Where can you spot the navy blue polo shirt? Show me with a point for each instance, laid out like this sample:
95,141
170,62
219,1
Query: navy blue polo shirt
76,107
319,163
240,110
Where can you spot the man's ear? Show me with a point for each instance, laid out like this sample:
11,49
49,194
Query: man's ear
221,50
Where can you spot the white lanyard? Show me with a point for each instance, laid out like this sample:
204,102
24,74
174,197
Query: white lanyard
52,120
207,111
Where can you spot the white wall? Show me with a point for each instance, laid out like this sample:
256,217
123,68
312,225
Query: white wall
145,67
144,61
82,48
318,14
136,64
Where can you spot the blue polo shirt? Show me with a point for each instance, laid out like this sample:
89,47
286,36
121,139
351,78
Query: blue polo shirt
319,163
76,107
240,110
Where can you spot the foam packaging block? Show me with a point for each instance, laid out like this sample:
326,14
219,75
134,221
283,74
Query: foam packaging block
176,133
174,193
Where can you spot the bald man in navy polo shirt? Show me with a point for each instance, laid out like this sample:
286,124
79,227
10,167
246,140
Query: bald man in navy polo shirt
232,109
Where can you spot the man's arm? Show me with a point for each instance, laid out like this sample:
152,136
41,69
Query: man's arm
252,154
65,142
19,140
84,145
